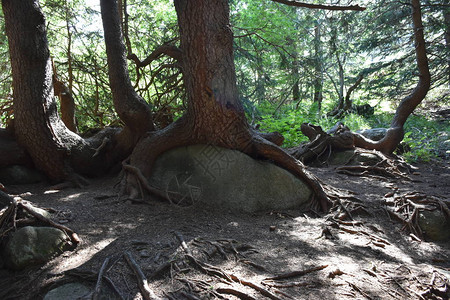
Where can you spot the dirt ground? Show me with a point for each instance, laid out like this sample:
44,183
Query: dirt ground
231,255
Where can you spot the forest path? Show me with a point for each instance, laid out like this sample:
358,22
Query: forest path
370,258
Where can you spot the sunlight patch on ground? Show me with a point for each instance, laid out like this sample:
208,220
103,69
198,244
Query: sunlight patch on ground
82,256
72,196
47,192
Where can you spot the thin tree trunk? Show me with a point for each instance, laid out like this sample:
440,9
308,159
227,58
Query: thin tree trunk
318,69
130,107
395,133
446,12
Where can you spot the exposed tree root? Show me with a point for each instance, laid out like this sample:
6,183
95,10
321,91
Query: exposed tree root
146,292
406,208
18,213
182,133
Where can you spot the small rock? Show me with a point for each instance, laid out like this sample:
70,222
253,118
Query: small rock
17,174
144,253
435,225
70,291
272,228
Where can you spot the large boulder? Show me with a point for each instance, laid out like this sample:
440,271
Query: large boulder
228,179
33,245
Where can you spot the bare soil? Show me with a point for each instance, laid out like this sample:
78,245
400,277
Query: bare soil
369,258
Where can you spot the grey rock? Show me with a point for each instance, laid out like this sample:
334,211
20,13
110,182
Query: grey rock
33,245
70,291
17,174
352,157
435,225
375,134
228,179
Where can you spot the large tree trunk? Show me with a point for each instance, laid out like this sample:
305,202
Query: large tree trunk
37,125
53,148
214,114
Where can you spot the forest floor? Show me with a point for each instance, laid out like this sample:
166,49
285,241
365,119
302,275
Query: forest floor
371,258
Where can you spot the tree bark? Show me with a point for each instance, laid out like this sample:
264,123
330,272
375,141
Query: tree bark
446,12
130,107
66,101
37,125
318,69
53,148
214,113
395,133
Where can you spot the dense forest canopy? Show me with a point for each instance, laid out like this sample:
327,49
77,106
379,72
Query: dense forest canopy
292,64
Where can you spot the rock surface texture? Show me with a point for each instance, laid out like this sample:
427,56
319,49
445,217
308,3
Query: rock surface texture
228,179
33,245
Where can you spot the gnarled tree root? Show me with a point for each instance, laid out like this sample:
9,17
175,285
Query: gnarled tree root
250,142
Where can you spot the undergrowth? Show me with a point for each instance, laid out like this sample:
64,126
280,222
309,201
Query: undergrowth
425,138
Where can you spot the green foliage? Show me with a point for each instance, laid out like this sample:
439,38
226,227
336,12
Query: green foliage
274,56
425,138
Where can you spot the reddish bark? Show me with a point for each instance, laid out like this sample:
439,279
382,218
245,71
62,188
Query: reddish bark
130,107
37,125
395,133
214,112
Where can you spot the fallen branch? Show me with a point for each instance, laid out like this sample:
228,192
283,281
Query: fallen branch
70,233
98,285
296,273
146,292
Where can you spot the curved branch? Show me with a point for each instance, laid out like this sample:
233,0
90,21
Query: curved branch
320,6
130,107
169,50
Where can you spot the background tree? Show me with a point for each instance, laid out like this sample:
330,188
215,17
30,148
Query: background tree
54,149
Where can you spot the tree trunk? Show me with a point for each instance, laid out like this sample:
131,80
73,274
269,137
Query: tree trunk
37,125
66,101
130,107
318,71
446,12
214,113
395,133
53,148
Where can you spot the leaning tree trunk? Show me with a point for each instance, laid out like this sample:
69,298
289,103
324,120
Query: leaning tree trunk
37,125
395,133
214,114
130,107
344,139
53,148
